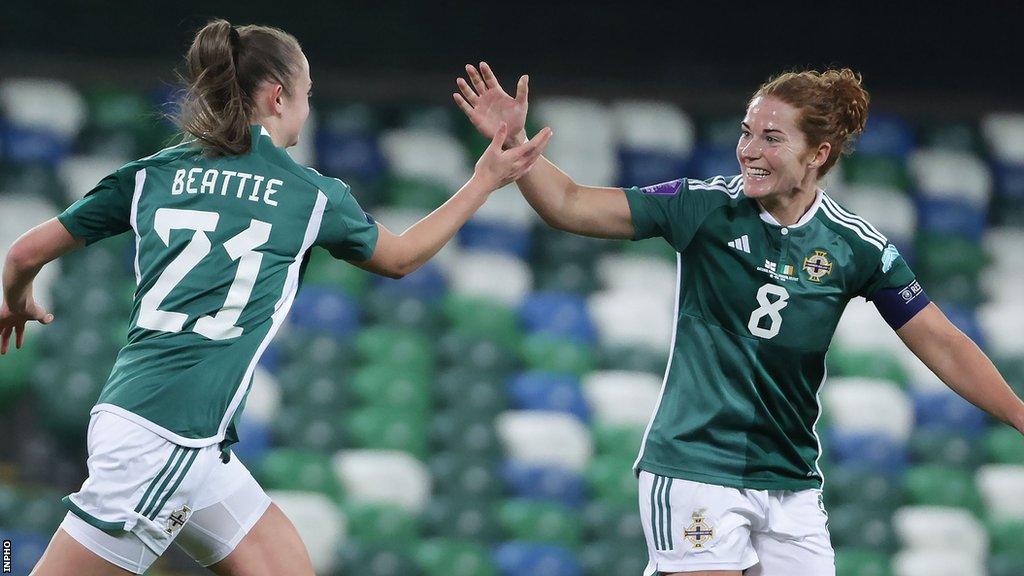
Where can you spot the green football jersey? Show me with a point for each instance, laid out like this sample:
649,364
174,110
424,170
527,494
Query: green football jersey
220,245
758,304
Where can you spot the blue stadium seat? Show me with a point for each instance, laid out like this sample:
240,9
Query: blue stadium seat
559,313
552,391
348,154
709,161
1009,180
867,451
27,549
253,441
529,559
644,167
272,358
886,135
494,236
944,409
544,483
326,310
950,216
427,283
27,145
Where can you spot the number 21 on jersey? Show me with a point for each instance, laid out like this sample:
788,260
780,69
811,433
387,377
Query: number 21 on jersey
241,247
770,308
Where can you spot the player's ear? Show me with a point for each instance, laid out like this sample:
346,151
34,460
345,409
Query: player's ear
277,101
820,155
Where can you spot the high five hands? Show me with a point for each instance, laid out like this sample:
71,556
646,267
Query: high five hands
487,105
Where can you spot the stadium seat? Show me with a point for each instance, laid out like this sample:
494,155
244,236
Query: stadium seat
495,236
951,216
381,523
1006,564
463,428
945,174
863,489
1004,134
877,364
558,392
886,134
860,562
297,470
938,528
622,398
392,385
468,389
538,521
474,276
482,318
376,559
319,522
578,121
264,399
1006,534
862,328
873,170
1000,488
888,209
349,152
618,440
632,317
653,126
80,174
558,313
507,206
461,518
935,485
428,284
861,405
486,355
323,268
383,427
626,271
464,474
614,556
406,348
1003,445
544,483
360,471
945,447
516,558
1000,321
610,479
450,557
877,451
325,310
945,409
547,353
414,193
710,160
43,104
937,563
851,525
428,154
545,438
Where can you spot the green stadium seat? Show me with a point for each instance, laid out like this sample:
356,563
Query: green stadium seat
885,171
864,488
539,522
297,470
612,557
394,385
18,367
467,475
387,428
318,354
318,431
1007,535
326,270
1009,563
409,312
945,448
959,136
406,348
466,430
861,562
412,192
569,276
633,359
39,510
875,364
482,354
617,440
853,526
947,256
1003,446
610,479
548,353
604,519
314,387
376,559
462,518
381,523
483,318
449,557
937,485
468,389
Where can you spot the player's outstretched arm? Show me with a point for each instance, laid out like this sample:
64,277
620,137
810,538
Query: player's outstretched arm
958,362
398,255
562,203
27,256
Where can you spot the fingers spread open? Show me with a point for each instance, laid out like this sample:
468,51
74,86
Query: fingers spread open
489,79
19,331
5,339
467,92
474,77
462,104
523,89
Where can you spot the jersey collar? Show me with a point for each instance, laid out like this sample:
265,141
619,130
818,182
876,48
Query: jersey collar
767,216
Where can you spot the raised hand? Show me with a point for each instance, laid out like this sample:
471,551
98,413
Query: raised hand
487,105
14,322
497,167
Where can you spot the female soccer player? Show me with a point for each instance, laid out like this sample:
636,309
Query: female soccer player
222,226
728,469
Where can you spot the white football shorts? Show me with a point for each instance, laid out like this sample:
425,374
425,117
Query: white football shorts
144,491
692,526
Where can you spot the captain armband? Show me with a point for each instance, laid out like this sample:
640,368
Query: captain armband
898,305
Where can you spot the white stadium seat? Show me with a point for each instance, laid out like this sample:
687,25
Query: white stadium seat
1004,133
937,563
21,213
321,525
81,174
862,328
627,271
591,167
951,174
869,405
491,276
1002,489
888,209
383,477
619,397
49,105
653,126
919,376
545,438
304,153
938,529
577,121
428,154
264,398
1000,322
633,317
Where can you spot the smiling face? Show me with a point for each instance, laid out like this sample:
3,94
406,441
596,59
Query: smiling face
773,152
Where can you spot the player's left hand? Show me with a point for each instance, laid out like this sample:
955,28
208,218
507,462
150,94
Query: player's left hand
13,322
487,105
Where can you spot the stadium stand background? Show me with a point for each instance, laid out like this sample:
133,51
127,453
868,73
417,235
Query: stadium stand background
480,416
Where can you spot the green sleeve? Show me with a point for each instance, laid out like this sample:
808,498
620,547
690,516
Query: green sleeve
103,212
346,231
671,210
888,270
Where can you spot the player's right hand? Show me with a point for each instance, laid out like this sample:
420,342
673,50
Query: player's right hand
487,105
497,167
14,322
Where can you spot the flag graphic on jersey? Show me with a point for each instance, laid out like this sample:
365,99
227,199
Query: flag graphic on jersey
758,305
220,244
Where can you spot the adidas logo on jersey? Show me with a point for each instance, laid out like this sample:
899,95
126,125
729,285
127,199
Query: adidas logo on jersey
742,244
